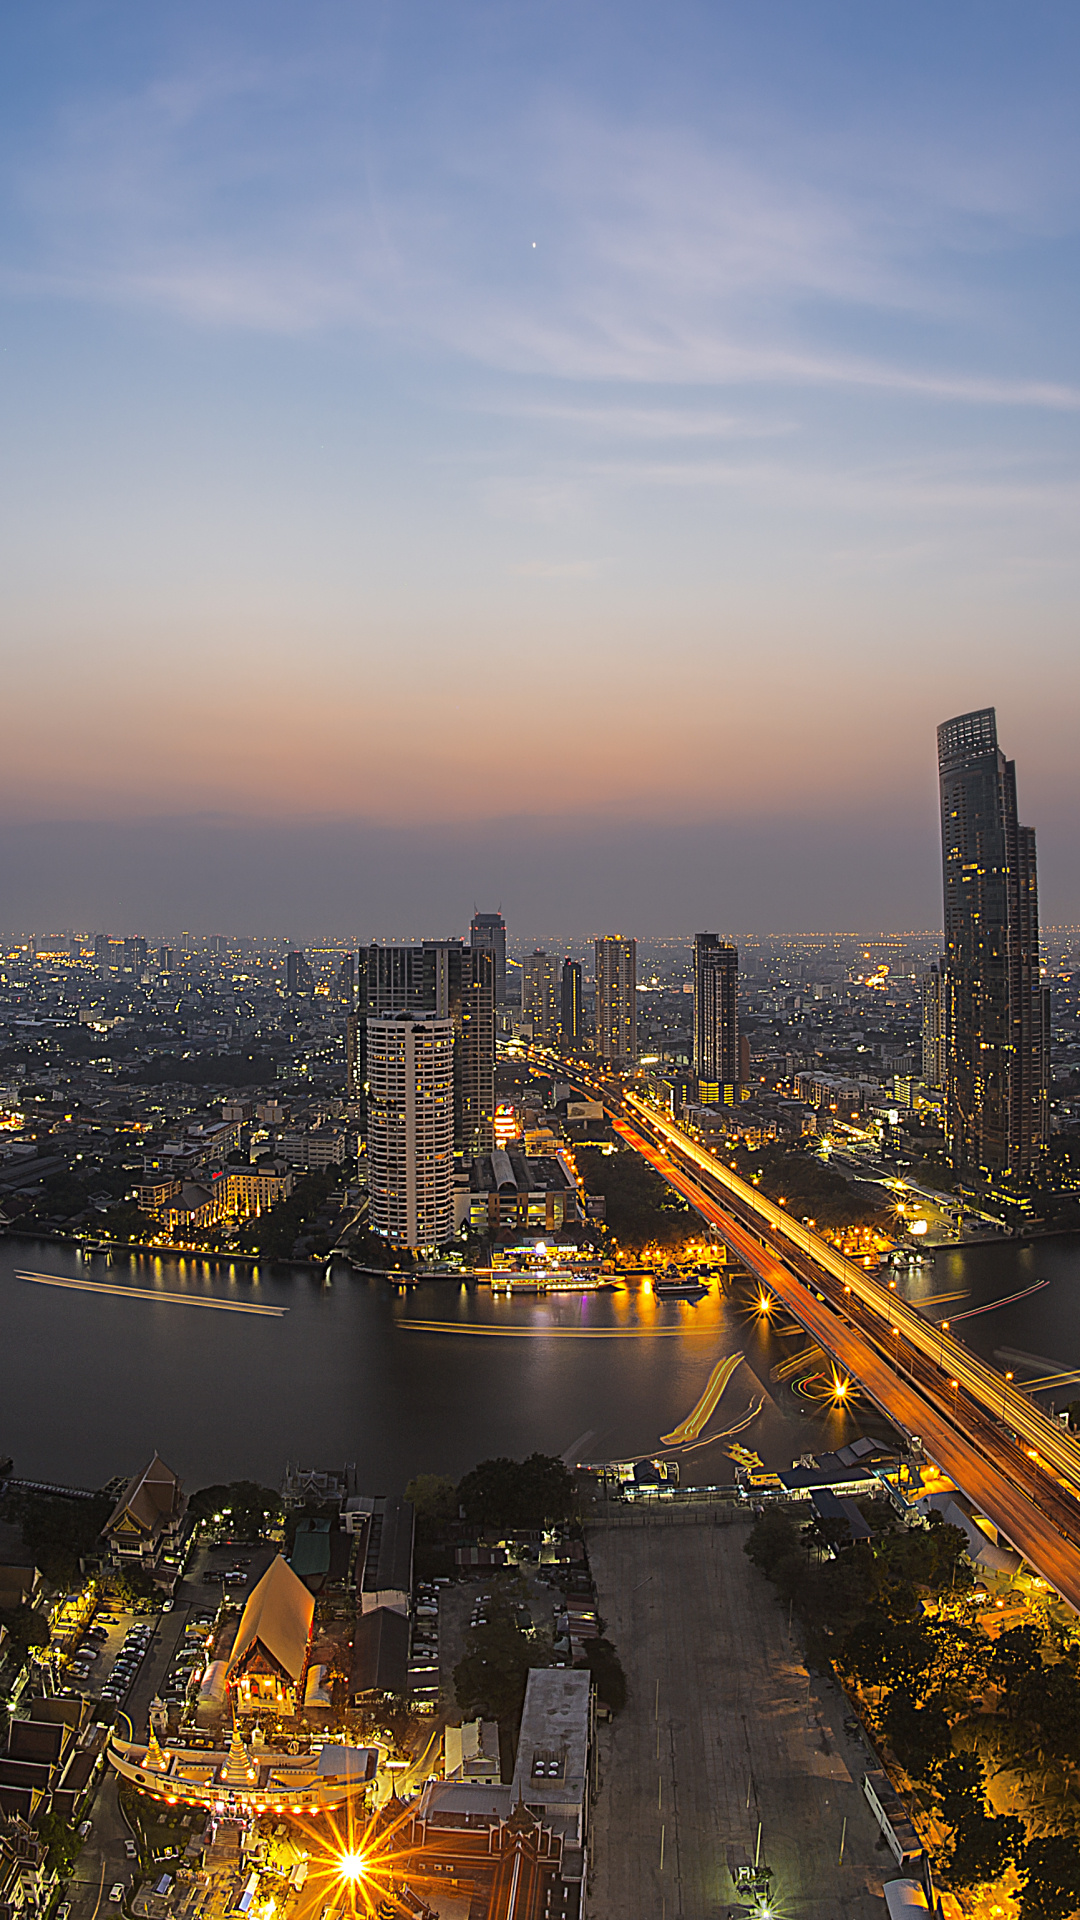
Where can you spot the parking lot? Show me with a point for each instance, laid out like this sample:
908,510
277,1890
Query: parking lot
140,1657
723,1729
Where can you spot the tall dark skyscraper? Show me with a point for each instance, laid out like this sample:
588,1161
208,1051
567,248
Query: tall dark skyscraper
489,930
716,1019
997,1011
570,1003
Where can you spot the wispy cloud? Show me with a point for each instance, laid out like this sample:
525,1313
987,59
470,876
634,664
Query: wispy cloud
662,256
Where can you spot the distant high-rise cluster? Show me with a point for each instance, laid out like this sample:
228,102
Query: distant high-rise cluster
716,1020
997,1037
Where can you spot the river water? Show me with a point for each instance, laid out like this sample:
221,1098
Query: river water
341,1367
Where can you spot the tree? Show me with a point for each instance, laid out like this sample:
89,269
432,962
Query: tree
248,1507
435,1500
920,1737
883,1653
983,1844
506,1495
1047,1702
26,1629
772,1538
1050,1872
58,1533
1016,1651
493,1674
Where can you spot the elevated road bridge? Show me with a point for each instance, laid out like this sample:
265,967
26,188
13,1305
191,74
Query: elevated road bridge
1019,1467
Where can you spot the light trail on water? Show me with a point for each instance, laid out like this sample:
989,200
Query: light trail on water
147,1293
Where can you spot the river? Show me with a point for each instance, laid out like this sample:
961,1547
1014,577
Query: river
229,1371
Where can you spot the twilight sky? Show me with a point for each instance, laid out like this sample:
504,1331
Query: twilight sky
564,456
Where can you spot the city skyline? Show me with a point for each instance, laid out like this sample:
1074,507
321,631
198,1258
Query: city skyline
727,366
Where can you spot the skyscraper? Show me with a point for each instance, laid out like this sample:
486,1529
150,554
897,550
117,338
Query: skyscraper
716,1019
474,1067
616,1000
446,980
538,1001
570,1004
997,1012
934,1026
489,930
410,1063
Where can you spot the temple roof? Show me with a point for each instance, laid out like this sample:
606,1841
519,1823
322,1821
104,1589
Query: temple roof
152,1496
277,1618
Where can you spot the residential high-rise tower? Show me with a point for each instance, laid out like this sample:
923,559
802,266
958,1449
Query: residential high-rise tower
410,1065
538,1001
997,1012
616,1000
716,1019
934,1026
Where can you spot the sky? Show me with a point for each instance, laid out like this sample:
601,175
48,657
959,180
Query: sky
558,457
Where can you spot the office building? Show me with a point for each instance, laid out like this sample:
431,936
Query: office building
934,1026
489,930
616,1000
298,977
997,1012
538,998
135,952
410,1071
570,1005
716,1020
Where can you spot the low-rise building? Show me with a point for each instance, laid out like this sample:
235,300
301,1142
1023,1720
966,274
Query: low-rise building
145,1528
513,1192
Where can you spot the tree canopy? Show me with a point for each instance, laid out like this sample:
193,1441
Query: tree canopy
510,1495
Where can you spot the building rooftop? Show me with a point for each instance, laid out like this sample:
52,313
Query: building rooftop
277,1619
553,1745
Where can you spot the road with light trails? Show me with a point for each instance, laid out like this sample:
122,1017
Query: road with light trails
1041,1518
1003,1452
1054,1447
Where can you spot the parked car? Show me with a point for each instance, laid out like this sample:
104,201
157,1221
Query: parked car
84,1829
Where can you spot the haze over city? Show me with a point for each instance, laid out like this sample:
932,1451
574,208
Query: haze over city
566,458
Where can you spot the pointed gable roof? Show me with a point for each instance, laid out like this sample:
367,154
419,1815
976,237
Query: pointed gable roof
152,1496
277,1620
